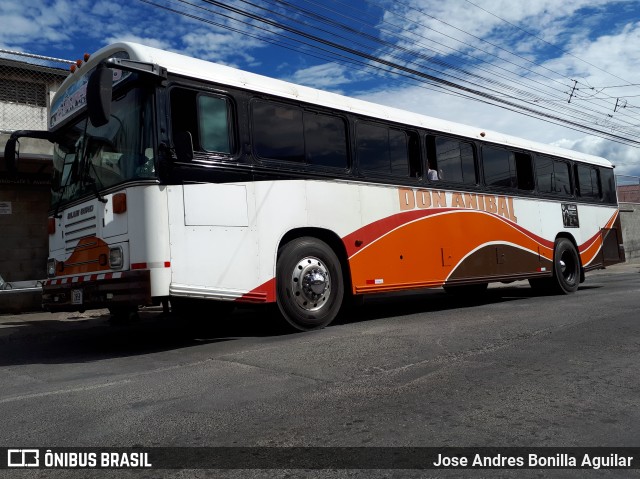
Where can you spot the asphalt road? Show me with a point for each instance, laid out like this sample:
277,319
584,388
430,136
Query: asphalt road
429,369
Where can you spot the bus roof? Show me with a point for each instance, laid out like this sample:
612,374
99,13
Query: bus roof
200,69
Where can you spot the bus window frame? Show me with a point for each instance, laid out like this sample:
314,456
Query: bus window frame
231,125
382,177
304,166
590,199
572,182
432,137
514,151
201,156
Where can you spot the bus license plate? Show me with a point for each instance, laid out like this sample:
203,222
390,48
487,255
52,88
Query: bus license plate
76,296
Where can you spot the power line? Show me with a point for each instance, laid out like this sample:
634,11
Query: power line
542,40
335,50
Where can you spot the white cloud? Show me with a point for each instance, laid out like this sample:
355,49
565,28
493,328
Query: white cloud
327,76
148,41
625,158
614,52
487,117
219,45
73,26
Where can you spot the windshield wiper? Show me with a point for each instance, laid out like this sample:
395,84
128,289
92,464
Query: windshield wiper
94,186
85,164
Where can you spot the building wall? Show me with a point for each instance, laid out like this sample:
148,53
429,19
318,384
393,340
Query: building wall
24,247
27,85
630,219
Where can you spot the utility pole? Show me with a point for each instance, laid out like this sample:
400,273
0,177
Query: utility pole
575,82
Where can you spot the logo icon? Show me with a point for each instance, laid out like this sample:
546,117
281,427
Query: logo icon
23,458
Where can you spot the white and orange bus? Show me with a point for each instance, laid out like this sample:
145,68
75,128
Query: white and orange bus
183,180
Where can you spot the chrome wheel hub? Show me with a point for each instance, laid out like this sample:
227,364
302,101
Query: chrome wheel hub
310,284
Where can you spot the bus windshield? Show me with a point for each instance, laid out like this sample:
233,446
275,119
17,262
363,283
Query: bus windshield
87,159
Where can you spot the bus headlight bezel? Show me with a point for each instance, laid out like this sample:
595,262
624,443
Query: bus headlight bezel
52,266
116,257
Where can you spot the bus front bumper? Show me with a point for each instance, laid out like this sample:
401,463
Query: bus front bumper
129,288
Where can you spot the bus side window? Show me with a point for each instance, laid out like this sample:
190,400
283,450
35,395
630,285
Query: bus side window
545,178
588,183
553,176
373,148
562,172
399,152
507,169
325,138
432,165
415,162
213,122
387,151
454,160
608,183
277,131
184,117
524,171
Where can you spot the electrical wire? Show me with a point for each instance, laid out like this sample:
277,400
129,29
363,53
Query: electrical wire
410,70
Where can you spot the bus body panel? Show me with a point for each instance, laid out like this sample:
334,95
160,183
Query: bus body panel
438,237
204,234
213,249
84,235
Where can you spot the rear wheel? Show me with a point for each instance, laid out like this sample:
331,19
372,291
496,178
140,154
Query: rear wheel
566,270
566,267
309,283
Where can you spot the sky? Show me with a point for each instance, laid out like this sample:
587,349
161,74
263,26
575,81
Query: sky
574,61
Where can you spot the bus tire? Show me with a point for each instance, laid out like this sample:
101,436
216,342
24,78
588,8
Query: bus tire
309,283
566,267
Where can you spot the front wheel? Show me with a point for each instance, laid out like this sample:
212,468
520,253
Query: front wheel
309,283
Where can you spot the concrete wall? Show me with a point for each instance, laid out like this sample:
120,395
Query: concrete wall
23,223
630,219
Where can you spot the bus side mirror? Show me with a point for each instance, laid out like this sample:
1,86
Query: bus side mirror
99,90
12,154
183,145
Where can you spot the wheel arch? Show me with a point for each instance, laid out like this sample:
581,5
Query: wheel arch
331,239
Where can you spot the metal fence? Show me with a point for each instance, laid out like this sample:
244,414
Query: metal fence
27,85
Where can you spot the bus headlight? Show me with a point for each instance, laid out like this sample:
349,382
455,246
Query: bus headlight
116,258
51,267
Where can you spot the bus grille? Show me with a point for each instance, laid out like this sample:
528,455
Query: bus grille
81,228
